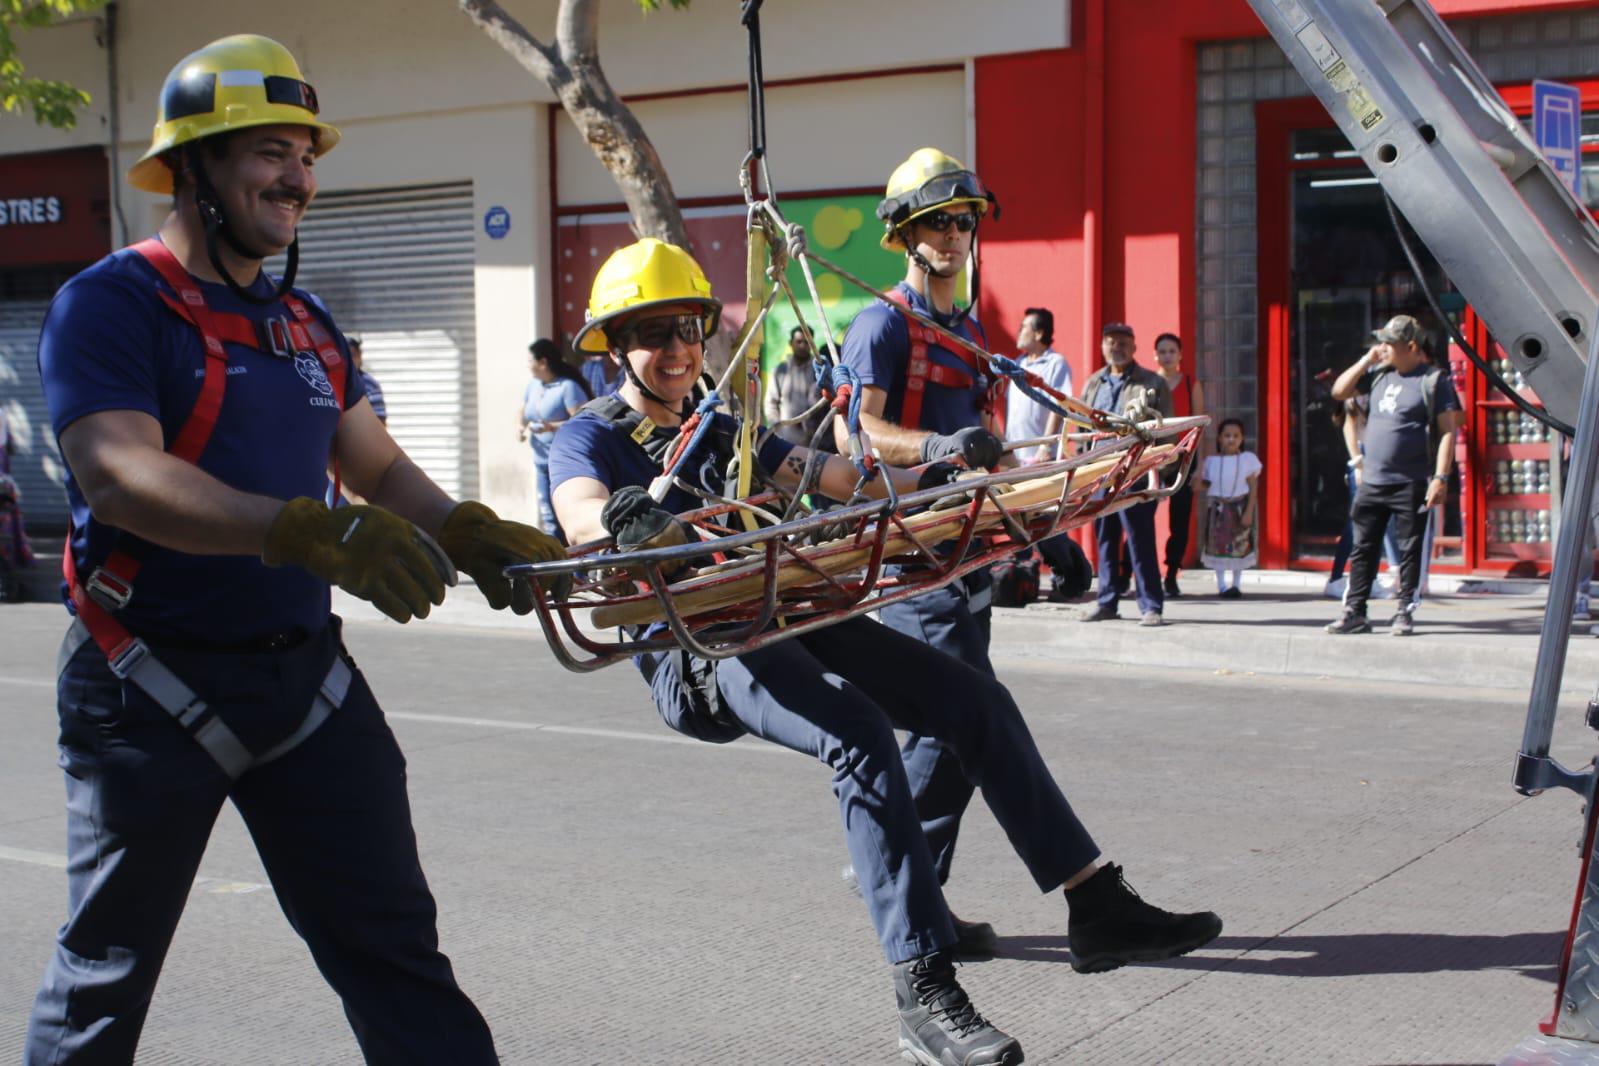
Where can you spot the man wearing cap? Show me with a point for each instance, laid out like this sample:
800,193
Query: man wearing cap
1409,451
1121,386
199,404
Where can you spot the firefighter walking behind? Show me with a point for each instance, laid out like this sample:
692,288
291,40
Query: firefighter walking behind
924,399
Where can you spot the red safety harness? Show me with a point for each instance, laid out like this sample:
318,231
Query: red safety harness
921,369
110,586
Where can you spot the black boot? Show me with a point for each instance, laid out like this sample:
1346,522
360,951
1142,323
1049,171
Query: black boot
973,940
1110,925
938,1026
1170,586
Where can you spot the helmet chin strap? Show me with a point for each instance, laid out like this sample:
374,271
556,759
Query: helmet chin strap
208,205
921,261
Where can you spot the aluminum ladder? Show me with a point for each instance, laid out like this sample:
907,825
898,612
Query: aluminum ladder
1524,252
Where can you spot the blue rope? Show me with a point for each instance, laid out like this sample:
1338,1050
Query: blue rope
705,410
1017,374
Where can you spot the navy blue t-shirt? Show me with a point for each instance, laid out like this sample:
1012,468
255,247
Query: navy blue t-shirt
1398,442
877,347
110,344
588,446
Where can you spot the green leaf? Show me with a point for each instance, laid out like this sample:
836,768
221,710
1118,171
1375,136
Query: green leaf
54,103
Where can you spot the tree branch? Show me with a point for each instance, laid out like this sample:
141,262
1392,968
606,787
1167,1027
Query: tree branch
538,58
577,32
572,71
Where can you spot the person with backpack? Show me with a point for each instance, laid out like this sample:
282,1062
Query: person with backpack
1409,450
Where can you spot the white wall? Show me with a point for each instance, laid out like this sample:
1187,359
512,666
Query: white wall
411,56
827,135
421,94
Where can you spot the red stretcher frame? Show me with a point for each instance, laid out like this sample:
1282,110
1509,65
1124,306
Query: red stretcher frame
602,577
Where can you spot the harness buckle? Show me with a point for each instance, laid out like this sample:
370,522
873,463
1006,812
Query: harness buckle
275,338
108,590
128,657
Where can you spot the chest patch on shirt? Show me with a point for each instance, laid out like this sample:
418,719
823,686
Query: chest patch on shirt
1389,403
311,372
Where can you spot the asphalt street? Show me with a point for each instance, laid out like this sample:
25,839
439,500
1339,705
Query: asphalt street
612,893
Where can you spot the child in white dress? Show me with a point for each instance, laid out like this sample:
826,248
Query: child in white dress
1230,485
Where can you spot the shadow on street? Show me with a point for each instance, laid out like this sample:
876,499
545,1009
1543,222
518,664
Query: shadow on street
1533,955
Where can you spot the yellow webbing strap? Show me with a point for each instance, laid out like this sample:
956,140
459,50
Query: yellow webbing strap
756,287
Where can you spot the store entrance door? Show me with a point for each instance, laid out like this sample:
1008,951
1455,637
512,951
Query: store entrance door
1331,271
1325,322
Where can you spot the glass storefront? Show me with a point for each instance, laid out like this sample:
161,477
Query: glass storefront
1348,275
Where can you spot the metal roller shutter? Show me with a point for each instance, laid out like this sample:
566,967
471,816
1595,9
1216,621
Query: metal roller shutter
37,465
396,266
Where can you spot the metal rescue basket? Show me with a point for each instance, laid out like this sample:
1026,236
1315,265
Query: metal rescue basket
748,589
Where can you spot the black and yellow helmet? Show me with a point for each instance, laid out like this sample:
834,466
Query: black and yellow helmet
230,84
928,180
648,273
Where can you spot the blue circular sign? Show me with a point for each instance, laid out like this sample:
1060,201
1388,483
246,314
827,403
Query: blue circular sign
497,222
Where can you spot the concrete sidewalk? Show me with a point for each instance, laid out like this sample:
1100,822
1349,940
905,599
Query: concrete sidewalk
1464,639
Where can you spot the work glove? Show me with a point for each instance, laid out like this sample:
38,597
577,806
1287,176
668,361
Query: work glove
961,499
937,474
482,544
366,551
974,445
636,521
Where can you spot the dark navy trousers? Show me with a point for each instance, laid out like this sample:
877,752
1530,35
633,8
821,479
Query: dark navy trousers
1138,522
838,695
956,620
331,822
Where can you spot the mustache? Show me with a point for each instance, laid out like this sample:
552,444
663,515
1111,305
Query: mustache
279,192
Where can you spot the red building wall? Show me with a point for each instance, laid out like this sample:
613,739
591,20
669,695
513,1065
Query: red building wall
1092,153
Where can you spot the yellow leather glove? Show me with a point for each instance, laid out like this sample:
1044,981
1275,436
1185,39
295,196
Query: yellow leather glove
366,551
483,544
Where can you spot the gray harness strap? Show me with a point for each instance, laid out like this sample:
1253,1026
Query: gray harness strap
138,665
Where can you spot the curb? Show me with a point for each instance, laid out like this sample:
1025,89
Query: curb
1296,649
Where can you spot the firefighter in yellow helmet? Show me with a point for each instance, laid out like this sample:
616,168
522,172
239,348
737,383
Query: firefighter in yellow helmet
643,277
198,405
831,693
924,398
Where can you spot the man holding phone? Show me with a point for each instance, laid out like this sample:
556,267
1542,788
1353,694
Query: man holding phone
1410,448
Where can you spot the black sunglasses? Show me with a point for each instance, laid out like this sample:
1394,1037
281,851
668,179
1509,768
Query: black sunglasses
657,332
939,221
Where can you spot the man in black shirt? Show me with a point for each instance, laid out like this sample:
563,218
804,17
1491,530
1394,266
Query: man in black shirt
1409,449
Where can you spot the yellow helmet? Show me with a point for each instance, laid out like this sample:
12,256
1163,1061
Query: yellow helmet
648,273
925,182
230,84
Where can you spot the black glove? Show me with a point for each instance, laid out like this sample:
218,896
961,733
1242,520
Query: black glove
637,521
936,475
974,444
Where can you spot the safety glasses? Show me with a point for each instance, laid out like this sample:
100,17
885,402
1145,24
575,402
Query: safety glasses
658,332
939,221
